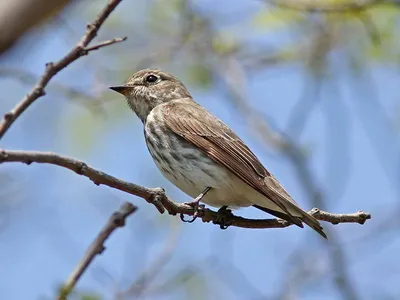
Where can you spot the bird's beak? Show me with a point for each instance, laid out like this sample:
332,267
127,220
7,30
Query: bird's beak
122,89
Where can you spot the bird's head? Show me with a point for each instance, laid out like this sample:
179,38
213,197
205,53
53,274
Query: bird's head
148,88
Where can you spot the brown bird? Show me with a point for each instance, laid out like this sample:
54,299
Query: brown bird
201,155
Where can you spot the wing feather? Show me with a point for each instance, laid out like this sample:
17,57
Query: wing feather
199,127
195,124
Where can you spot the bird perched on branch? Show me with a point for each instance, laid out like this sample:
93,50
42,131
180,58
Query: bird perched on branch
201,155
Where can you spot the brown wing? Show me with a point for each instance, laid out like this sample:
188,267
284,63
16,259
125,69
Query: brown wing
192,122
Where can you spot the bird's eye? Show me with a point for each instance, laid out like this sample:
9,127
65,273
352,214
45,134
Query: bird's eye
151,78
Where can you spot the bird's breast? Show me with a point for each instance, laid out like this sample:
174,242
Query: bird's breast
187,167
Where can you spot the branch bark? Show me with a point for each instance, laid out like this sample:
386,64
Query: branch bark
116,220
158,198
52,69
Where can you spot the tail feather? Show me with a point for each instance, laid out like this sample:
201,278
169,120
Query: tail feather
305,217
313,223
281,215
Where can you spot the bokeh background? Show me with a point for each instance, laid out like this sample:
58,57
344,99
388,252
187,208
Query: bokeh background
311,86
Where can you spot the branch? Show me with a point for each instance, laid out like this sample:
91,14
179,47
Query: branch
52,69
359,217
157,197
81,168
315,7
104,44
116,220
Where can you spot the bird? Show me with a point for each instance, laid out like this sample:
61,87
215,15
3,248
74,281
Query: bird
200,154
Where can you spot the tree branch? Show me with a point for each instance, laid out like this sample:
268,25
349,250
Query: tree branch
116,220
157,197
104,44
52,69
315,7
81,168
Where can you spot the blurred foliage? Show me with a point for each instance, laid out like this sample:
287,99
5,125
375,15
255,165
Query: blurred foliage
199,75
271,19
87,129
90,297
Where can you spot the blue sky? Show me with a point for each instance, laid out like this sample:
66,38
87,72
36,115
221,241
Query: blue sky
48,215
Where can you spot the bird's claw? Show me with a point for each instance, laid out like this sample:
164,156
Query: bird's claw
182,216
223,218
197,207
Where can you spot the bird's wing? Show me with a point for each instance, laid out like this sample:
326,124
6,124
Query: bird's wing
199,127
195,124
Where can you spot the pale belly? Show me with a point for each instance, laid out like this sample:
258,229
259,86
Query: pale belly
192,171
192,175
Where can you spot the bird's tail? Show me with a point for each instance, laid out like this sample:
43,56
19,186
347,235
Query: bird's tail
313,223
297,217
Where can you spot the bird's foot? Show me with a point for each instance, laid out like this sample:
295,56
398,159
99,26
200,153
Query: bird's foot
224,215
196,206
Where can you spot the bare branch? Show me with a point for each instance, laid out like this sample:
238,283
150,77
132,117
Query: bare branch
81,168
53,68
116,220
157,197
104,44
315,7
358,217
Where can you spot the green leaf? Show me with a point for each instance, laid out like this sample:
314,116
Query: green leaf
199,75
196,286
89,297
384,20
163,13
224,43
273,18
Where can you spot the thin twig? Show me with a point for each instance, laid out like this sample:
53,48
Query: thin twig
157,197
315,7
116,220
104,44
52,69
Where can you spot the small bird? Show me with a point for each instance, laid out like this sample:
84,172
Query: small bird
201,155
